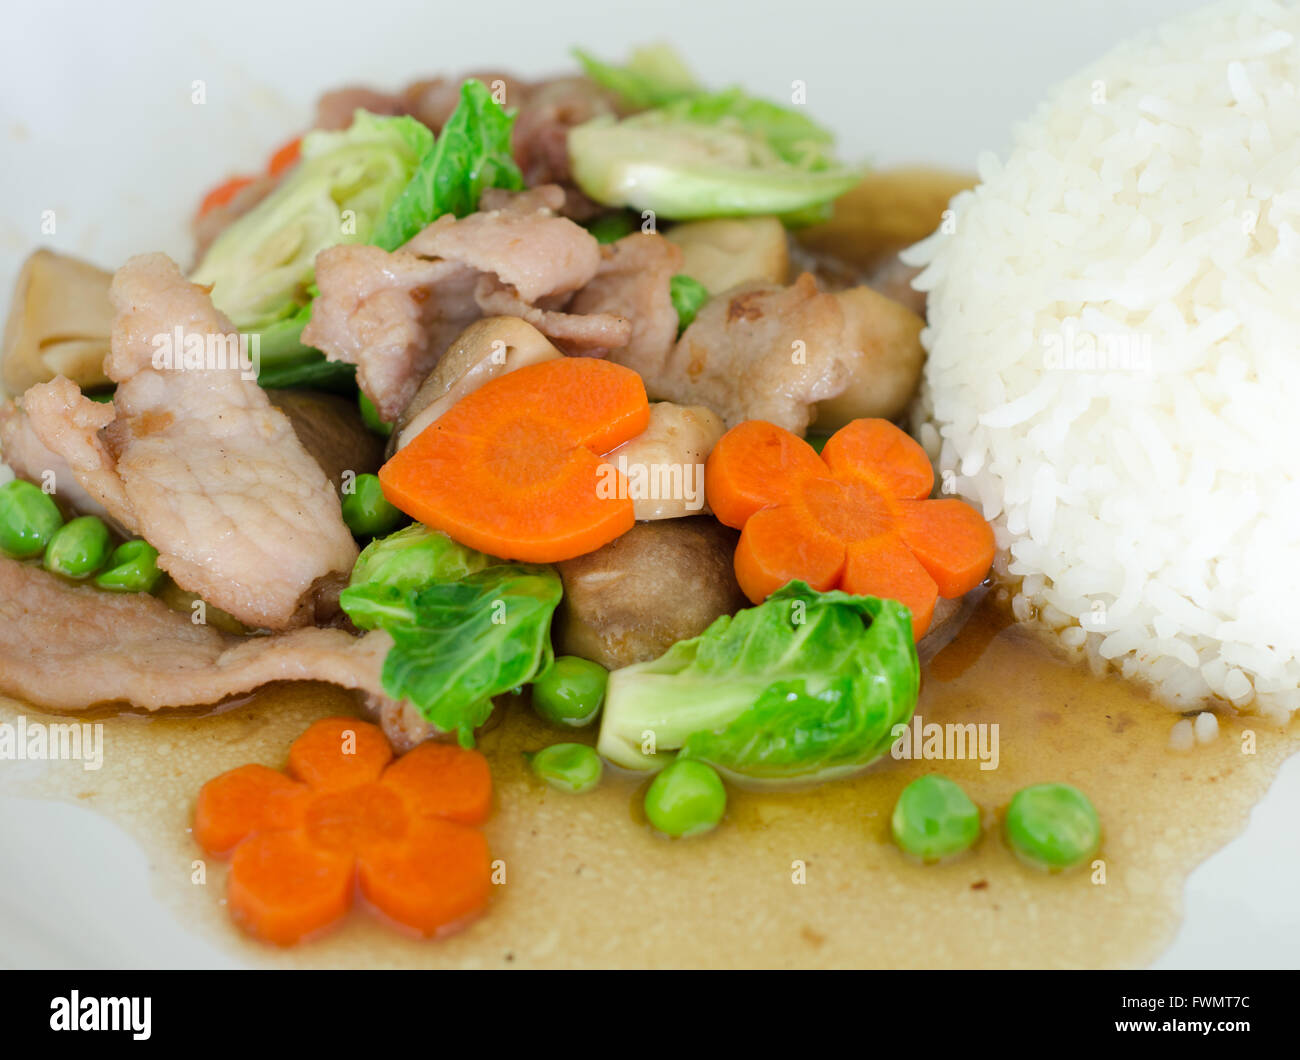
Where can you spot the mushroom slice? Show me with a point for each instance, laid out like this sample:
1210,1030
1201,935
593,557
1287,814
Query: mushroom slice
727,252
59,324
663,466
888,371
486,349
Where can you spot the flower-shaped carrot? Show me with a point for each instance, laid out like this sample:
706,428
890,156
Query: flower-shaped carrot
345,818
513,468
856,518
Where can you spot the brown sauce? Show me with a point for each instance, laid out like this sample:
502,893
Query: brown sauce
587,884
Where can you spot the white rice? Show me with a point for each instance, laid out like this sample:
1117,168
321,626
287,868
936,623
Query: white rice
1114,358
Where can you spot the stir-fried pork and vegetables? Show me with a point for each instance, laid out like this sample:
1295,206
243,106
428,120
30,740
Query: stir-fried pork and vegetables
566,389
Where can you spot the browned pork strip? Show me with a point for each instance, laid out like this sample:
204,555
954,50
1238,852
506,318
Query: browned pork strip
433,101
587,334
540,138
29,459
633,283
69,647
335,109
197,461
393,315
760,353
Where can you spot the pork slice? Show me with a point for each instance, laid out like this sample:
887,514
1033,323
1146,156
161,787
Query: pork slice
390,314
580,335
69,647
633,283
28,458
197,461
761,352
336,109
541,130
394,314
519,240
433,101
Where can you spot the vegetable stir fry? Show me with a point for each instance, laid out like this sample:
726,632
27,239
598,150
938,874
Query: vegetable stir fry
575,349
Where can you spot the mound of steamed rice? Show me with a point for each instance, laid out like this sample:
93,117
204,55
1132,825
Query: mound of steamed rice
1114,359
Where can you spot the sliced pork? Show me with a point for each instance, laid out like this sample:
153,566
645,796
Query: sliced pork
69,647
633,283
760,353
335,110
28,458
197,461
394,314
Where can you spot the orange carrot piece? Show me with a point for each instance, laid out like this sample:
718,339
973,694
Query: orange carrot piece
282,889
512,469
339,753
249,799
349,820
951,541
885,567
443,780
756,465
778,544
285,157
435,881
223,193
877,452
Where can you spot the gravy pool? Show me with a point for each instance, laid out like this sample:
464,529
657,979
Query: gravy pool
790,879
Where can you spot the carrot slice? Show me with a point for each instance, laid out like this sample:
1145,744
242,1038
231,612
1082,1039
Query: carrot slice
285,157
281,888
512,469
353,819
443,780
877,452
339,753
435,881
951,541
779,544
223,193
885,567
756,465
249,799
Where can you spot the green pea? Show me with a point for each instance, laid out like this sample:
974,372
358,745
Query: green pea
28,519
370,416
366,510
686,799
571,767
1052,826
571,691
934,819
78,548
132,568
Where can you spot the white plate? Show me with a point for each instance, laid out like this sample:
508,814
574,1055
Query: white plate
98,125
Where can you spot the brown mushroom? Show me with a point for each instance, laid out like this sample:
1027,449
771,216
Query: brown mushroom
331,429
486,349
659,583
59,324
